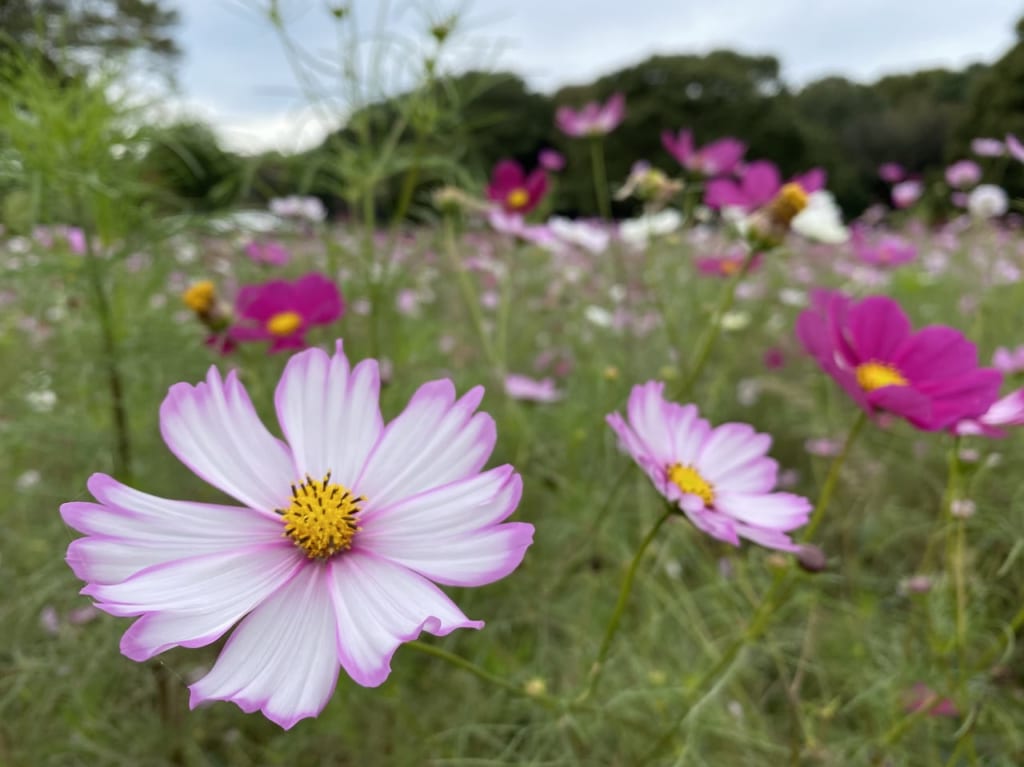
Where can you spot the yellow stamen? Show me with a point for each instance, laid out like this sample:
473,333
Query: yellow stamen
200,296
518,198
875,375
790,200
689,480
321,519
284,323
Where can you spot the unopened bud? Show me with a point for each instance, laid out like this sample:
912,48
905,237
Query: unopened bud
811,558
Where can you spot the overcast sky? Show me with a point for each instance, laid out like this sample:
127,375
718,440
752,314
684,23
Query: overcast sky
235,73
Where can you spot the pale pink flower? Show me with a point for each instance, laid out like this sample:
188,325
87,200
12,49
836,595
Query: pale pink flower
531,389
1014,147
963,174
594,119
906,193
1008,361
332,557
721,478
988,147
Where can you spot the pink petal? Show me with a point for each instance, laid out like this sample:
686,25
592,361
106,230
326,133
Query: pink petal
757,476
330,416
214,430
647,415
380,605
731,445
689,433
434,441
282,659
878,328
772,511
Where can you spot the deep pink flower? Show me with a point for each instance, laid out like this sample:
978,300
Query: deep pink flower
530,389
268,252
931,377
885,251
281,312
891,172
963,174
906,193
721,478
552,160
774,358
757,186
921,697
331,559
716,159
514,190
594,119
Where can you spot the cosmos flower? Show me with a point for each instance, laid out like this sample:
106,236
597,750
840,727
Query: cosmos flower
891,172
551,159
281,312
594,119
721,478
591,236
963,174
1008,361
268,252
1007,411
987,201
530,389
637,232
929,377
331,559
296,207
726,265
718,158
888,250
906,193
988,147
1015,147
760,183
514,190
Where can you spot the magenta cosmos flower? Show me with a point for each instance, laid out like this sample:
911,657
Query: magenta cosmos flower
886,250
332,557
716,159
758,186
594,119
281,312
721,478
268,252
514,190
931,377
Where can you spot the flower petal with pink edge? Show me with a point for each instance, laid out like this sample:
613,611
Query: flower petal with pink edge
756,476
772,511
434,441
329,414
647,411
379,605
130,530
729,446
282,659
214,430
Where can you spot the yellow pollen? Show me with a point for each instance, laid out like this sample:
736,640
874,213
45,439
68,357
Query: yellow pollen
518,198
875,375
199,296
284,323
790,200
321,519
689,480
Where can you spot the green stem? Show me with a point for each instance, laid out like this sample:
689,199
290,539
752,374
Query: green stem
777,596
597,668
832,479
482,673
600,177
707,341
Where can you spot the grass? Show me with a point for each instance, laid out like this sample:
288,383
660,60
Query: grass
827,685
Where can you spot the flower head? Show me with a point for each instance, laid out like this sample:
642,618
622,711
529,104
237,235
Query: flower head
331,559
530,389
891,172
886,251
551,159
906,193
987,201
268,252
759,185
931,377
514,190
302,208
718,158
721,478
988,147
963,174
281,312
594,119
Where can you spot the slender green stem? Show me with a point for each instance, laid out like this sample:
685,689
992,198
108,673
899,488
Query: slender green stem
777,596
597,668
707,341
832,479
482,673
600,177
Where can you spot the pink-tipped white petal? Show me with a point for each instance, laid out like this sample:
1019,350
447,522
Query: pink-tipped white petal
756,476
648,415
380,605
731,445
215,431
129,530
435,440
329,415
775,511
282,659
689,433
202,583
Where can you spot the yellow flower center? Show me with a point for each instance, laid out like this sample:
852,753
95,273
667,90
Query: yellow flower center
790,200
518,198
875,375
689,480
199,296
284,323
321,519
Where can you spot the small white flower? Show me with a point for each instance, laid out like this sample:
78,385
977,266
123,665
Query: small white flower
41,401
637,232
821,220
987,201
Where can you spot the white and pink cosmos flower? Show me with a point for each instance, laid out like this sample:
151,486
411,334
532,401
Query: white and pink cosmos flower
331,559
721,478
